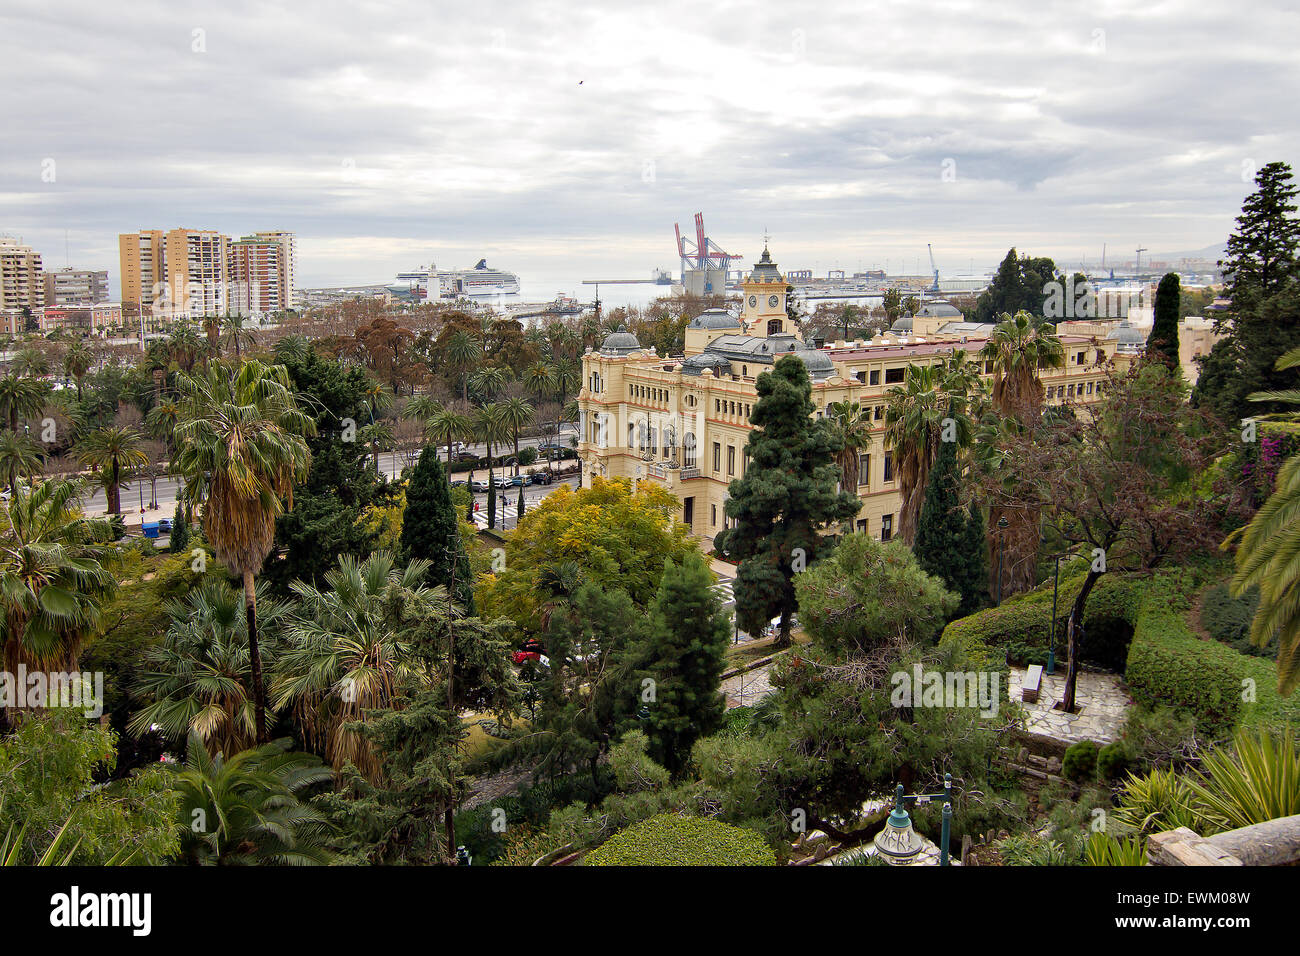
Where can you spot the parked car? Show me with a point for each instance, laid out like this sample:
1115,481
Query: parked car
164,525
550,449
518,481
502,481
463,456
459,482
479,485
530,650
541,478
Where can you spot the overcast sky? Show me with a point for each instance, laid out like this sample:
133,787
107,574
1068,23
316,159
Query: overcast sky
565,139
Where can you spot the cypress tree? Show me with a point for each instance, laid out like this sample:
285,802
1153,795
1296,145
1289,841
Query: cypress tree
492,502
785,499
180,536
949,539
430,530
1162,343
519,511
683,654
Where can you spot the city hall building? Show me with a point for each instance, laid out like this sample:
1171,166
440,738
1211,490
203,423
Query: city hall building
682,422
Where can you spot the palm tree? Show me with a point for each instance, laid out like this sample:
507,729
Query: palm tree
347,652
915,424
516,414
379,436
212,328
32,362
198,680
161,422
19,455
77,361
235,336
463,352
184,346
241,449
853,425
1020,347
21,397
447,426
249,809
52,579
488,381
1269,555
491,429
293,348
116,451
539,378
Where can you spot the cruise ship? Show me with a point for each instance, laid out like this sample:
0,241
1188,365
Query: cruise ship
451,284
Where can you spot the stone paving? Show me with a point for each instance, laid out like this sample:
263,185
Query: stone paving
1102,699
748,688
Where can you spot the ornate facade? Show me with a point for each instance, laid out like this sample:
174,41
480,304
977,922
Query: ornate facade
682,422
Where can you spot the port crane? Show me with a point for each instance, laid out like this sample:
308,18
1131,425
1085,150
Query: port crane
703,252
934,286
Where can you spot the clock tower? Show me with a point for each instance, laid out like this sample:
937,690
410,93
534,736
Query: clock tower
763,311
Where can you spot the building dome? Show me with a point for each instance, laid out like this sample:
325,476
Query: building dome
712,361
903,323
945,310
818,363
620,343
715,319
1125,337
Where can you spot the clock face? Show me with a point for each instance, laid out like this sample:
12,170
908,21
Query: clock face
772,301
753,300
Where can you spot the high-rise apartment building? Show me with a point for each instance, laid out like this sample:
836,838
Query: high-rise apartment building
191,273
76,288
22,285
261,273
195,266
141,256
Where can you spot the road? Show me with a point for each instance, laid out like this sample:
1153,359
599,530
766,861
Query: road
140,495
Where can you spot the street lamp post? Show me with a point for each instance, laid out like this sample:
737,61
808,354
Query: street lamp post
1002,528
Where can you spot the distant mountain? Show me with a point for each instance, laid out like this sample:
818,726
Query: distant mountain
1214,253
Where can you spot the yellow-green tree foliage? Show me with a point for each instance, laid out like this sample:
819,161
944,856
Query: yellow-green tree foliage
614,537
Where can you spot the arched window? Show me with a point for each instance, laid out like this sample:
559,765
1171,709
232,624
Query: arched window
688,450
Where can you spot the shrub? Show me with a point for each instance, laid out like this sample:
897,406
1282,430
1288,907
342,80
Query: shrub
1102,849
1080,761
1257,780
1158,801
1112,760
670,840
1032,849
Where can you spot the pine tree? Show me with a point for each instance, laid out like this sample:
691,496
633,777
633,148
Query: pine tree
950,539
1260,258
1263,322
683,655
785,499
430,530
1163,341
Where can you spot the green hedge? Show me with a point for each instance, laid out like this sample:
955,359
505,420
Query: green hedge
1168,664
670,840
1020,627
